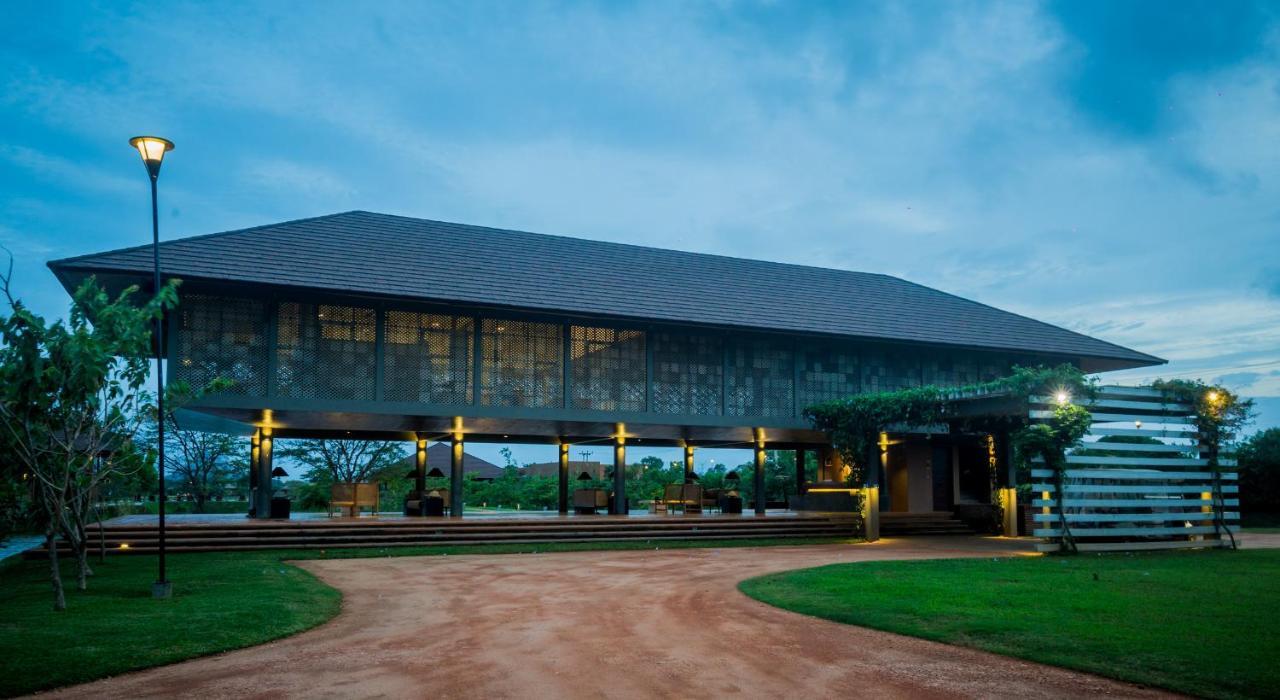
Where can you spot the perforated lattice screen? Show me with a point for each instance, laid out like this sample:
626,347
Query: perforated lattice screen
427,357
325,351
761,379
607,368
827,374
687,372
521,363
950,369
902,370
222,337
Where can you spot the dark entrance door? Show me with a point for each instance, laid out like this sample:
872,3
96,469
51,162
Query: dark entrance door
943,491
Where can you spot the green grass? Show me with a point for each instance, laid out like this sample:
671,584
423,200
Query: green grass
1204,623
221,601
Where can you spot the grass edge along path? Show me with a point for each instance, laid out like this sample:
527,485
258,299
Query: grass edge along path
222,601
1203,623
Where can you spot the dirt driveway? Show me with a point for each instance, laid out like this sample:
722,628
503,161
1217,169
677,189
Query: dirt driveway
601,624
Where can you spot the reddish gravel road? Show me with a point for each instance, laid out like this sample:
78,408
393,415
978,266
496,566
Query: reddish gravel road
602,625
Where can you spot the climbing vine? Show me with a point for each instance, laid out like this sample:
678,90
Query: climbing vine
1050,441
1219,415
854,424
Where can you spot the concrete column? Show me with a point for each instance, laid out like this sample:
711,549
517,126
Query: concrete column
760,459
871,512
564,478
420,468
688,462
455,471
871,492
263,503
1007,475
253,474
620,470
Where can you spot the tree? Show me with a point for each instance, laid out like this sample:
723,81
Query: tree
202,462
779,476
1259,460
330,462
344,461
71,401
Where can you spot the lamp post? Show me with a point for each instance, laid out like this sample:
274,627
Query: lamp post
152,149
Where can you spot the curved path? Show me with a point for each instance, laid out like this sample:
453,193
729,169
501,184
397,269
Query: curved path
606,625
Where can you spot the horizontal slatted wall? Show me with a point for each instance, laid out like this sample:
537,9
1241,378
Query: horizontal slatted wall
1140,480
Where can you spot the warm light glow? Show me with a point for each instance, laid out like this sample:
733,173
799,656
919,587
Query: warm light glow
1062,398
124,545
1212,397
152,148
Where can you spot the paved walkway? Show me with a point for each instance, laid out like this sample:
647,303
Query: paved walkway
607,625
18,544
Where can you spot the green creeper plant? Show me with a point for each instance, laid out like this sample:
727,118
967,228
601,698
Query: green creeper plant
1219,416
1050,441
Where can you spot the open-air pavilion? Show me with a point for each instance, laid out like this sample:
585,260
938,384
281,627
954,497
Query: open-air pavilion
373,326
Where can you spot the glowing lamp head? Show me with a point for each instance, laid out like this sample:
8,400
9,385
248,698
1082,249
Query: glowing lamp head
1137,424
1062,398
1213,397
152,149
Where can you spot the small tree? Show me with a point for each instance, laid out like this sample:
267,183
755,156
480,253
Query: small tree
344,461
1259,459
71,401
203,462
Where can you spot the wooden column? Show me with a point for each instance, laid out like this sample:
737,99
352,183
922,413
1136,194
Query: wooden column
455,470
620,470
564,478
263,504
800,484
760,458
688,463
420,469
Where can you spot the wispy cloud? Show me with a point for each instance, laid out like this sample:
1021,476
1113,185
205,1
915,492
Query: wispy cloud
965,146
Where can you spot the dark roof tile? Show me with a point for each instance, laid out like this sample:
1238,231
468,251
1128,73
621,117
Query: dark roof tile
399,256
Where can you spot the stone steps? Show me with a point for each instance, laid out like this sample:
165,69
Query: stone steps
919,524
260,535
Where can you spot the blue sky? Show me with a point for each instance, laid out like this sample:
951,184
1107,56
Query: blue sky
1106,166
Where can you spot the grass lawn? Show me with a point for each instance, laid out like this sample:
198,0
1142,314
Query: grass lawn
221,601
1205,623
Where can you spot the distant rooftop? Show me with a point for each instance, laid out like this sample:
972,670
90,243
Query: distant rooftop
395,256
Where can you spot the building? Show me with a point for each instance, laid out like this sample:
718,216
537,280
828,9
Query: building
439,456
368,325
593,469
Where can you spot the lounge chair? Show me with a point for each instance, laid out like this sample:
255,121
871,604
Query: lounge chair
691,498
589,501
353,496
671,498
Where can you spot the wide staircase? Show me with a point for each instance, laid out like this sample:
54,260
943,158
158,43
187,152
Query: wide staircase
908,524
396,532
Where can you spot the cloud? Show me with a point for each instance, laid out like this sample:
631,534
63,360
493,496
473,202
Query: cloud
1239,380
1078,163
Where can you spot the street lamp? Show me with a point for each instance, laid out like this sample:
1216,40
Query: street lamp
152,149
